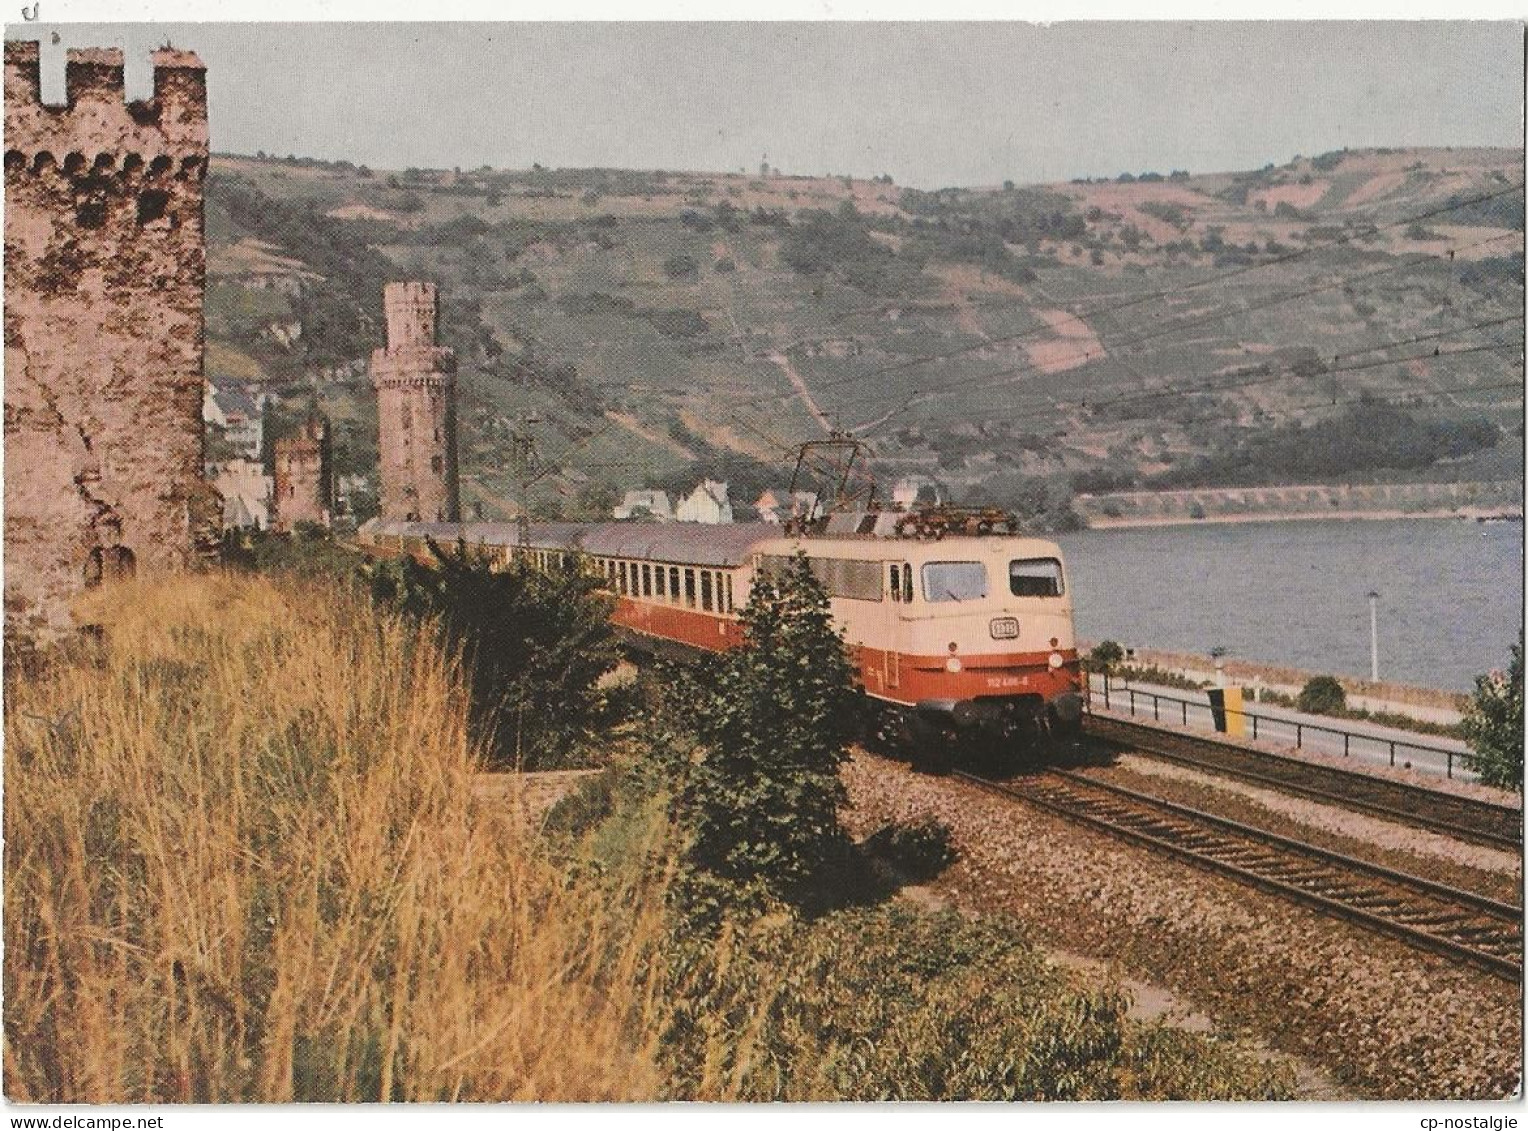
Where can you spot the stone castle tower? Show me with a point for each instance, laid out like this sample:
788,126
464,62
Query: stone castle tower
105,268
304,484
416,410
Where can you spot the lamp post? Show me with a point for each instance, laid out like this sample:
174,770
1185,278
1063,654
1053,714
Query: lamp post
1218,654
1374,635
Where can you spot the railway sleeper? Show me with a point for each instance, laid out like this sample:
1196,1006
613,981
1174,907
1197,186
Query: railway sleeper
1201,843
1284,871
1316,872
1252,861
1363,901
1168,830
1503,947
1449,919
1492,931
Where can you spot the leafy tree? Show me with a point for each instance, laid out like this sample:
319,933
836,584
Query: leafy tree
534,644
1493,725
596,500
773,725
1104,656
1322,695
219,448
680,266
1370,435
839,244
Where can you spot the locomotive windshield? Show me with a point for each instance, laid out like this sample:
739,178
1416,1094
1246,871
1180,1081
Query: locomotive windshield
954,581
1035,577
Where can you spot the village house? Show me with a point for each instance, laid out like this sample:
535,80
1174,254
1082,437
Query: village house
708,503
644,504
773,507
247,492
911,489
238,413
768,506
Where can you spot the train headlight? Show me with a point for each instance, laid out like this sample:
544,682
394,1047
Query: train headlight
952,665
1055,660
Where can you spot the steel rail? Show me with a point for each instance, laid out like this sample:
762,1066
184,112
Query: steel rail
1432,916
1465,818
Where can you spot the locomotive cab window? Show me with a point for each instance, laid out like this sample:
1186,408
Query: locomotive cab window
1035,577
896,582
954,581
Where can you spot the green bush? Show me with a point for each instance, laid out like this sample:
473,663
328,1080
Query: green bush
592,801
893,1004
534,645
919,850
773,723
681,266
1493,725
1322,695
310,551
838,244
1104,656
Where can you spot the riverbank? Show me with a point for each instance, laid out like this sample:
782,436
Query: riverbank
1105,522
1469,500
1428,704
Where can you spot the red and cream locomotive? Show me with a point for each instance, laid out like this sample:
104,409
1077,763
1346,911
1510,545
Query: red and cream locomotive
961,635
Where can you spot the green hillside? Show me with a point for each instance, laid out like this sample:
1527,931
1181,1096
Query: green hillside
1014,343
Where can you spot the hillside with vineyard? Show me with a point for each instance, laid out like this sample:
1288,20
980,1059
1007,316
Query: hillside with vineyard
1349,318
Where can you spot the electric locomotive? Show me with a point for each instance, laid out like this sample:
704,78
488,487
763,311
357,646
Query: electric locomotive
957,631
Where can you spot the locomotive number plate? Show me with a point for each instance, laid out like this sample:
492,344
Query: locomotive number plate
1004,628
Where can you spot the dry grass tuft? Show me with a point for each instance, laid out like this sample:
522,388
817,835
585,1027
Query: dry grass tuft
243,862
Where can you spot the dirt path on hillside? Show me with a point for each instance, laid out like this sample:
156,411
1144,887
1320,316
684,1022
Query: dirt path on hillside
784,362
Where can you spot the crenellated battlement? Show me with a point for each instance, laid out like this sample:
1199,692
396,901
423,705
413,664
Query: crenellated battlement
410,311
414,365
415,381
96,116
105,264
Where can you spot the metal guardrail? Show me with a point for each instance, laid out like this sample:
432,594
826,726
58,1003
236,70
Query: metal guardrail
1269,722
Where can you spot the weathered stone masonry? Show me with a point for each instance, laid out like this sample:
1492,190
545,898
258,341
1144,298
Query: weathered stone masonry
416,410
105,268
303,481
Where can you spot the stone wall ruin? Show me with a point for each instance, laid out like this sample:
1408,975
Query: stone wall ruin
105,269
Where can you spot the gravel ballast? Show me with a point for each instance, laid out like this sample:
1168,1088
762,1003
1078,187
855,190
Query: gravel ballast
1383,1019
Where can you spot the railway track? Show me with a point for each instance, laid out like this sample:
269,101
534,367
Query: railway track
1445,920
1466,818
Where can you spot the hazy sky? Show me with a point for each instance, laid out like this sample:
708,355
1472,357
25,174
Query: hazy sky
932,104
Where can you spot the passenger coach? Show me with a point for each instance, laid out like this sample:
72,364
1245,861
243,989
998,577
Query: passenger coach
965,635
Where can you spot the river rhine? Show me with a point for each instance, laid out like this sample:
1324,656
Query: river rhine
1296,593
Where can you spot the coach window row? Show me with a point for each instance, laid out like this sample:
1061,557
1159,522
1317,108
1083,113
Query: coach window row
545,560
709,590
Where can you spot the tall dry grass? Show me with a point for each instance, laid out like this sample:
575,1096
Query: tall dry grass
244,862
